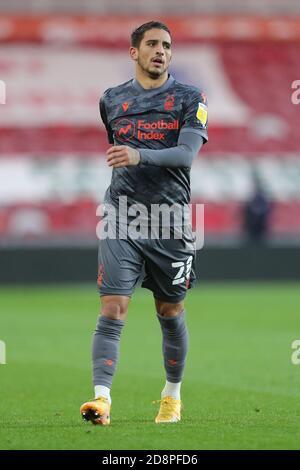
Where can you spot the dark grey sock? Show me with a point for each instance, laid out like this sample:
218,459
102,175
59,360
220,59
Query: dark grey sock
106,343
175,345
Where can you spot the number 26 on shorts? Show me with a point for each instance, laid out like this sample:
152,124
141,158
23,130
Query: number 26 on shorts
183,270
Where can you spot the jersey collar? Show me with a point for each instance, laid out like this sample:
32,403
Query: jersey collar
148,91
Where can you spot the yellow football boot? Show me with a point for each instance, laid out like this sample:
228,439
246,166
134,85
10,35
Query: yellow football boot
169,411
97,411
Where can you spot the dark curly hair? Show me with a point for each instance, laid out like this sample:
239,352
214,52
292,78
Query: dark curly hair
138,34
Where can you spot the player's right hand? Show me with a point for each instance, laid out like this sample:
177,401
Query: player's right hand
122,155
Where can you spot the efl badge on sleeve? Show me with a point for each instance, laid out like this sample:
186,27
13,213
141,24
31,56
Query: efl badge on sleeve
202,114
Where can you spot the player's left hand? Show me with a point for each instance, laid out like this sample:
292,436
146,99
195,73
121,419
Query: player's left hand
122,155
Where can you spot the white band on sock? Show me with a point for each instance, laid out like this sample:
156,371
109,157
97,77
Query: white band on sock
171,390
101,391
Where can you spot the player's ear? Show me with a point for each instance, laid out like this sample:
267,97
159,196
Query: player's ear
133,52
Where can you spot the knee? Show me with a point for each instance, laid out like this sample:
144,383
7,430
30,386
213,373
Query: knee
166,309
115,309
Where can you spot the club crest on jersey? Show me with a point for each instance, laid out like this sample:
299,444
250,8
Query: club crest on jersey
125,106
169,103
202,114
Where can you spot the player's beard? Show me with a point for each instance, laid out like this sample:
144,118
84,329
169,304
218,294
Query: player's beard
153,74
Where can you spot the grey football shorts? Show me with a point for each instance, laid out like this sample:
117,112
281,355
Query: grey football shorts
166,266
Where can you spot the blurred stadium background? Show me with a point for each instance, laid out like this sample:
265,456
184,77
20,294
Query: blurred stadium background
56,59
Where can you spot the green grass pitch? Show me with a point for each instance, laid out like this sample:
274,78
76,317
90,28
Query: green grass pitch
241,390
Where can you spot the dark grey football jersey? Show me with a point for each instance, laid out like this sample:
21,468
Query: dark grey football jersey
152,118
